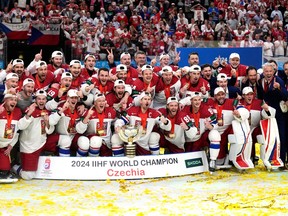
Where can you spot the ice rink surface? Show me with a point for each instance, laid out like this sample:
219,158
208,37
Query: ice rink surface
254,192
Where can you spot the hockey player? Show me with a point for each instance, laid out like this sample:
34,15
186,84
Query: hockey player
181,127
33,138
68,124
97,124
168,86
147,118
57,59
11,121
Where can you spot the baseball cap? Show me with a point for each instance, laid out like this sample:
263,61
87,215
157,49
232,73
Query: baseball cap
121,67
12,76
218,89
66,74
40,64
166,69
40,92
27,81
247,90
147,67
74,62
89,55
164,55
195,94
8,95
17,61
125,53
97,96
57,54
119,82
195,68
143,94
221,76
172,99
234,55
72,93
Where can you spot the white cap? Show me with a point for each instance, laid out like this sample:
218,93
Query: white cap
97,96
164,55
195,94
172,99
72,93
121,67
8,95
166,69
221,76
234,55
40,64
147,67
12,76
89,55
247,90
66,74
260,71
143,94
75,61
119,82
27,81
195,68
125,53
40,92
57,54
17,61
218,89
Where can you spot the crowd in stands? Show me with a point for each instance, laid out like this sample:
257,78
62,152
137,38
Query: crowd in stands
158,26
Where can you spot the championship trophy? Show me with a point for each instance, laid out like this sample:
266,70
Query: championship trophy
130,134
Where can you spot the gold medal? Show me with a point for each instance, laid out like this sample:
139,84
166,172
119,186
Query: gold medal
43,113
220,122
9,131
143,131
101,132
172,136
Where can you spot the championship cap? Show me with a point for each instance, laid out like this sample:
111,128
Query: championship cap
40,64
125,53
17,61
164,55
234,55
66,74
40,92
75,61
195,68
72,93
119,82
97,96
147,67
57,54
89,55
172,99
218,89
143,94
221,77
195,94
247,90
8,95
166,69
12,76
121,67
27,81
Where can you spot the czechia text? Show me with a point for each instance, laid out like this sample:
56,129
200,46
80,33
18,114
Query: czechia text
130,172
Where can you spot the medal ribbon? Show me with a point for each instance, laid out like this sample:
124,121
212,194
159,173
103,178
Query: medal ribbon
143,117
9,119
172,120
73,117
219,111
196,117
103,89
167,91
101,120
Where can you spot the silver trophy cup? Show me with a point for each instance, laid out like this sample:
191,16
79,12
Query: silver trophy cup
130,134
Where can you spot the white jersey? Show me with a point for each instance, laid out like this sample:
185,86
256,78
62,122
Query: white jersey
35,135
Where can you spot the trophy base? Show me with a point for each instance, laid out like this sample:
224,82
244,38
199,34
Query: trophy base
130,150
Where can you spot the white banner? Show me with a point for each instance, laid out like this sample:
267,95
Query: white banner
139,167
